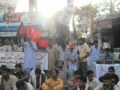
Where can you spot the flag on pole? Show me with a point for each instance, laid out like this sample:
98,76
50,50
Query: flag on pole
34,33
21,31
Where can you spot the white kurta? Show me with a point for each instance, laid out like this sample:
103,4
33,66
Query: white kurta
94,56
72,66
62,56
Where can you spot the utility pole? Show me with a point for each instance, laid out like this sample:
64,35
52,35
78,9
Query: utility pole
111,7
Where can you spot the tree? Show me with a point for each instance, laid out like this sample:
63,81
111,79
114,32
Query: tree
62,32
108,7
91,8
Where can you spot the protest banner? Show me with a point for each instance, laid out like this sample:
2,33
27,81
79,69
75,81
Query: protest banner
11,58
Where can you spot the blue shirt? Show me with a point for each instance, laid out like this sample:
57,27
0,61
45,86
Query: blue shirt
30,54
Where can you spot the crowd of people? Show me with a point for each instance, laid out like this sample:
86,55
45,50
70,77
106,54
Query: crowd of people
69,68
10,46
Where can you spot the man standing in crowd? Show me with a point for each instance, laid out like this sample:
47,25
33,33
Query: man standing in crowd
107,84
54,83
91,80
20,74
63,73
72,59
83,55
38,79
8,81
62,52
94,55
52,58
30,57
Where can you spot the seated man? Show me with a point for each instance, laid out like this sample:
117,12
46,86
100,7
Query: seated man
91,80
2,67
77,74
63,73
115,78
33,71
38,79
108,54
22,85
107,84
8,81
72,83
111,72
20,74
54,83
82,84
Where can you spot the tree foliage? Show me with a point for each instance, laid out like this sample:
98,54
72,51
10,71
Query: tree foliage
108,7
89,7
62,32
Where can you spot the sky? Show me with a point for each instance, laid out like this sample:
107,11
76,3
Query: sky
48,7
56,4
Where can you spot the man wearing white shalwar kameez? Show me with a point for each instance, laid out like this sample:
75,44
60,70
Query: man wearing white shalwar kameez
72,59
94,56
62,54
30,57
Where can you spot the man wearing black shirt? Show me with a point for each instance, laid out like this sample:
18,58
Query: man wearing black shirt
20,74
115,78
111,72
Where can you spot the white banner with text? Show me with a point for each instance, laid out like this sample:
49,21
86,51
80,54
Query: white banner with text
11,58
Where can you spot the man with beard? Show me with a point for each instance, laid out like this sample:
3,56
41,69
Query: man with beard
37,79
54,83
63,73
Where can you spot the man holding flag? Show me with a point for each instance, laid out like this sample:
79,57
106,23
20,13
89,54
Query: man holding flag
30,57
30,49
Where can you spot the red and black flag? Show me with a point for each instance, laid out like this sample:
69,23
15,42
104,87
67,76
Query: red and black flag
21,31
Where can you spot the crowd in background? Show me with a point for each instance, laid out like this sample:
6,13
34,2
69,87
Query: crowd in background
69,68
10,46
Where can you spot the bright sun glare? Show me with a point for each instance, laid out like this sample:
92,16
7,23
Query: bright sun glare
48,7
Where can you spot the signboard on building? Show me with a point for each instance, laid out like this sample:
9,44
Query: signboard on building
106,24
8,34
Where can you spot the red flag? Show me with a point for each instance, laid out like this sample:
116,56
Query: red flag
34,34
43,43
21,30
